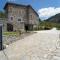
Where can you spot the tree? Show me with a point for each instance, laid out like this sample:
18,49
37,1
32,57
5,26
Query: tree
2,14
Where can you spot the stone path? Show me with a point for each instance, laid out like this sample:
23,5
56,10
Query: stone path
43,45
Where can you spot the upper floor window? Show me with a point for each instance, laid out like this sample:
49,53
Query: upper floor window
19,19
11,18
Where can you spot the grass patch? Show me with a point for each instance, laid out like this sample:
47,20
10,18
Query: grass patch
11,33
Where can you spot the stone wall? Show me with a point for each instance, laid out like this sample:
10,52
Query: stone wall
33,17
9,39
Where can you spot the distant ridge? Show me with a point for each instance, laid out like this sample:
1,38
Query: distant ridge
55,18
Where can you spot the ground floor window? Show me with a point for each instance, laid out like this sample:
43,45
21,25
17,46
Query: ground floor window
9,27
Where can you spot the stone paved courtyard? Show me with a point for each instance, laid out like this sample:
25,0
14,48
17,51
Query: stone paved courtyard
43,45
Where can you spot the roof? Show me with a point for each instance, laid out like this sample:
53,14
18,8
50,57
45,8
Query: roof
13,4
20,5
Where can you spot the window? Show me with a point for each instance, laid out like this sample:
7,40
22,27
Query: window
19,19
11,18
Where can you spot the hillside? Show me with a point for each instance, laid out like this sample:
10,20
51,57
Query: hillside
55,18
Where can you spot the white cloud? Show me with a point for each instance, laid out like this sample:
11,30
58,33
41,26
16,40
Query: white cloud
45,13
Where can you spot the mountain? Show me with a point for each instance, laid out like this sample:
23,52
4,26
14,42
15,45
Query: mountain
55,18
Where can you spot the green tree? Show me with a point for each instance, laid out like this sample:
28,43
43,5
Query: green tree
2,14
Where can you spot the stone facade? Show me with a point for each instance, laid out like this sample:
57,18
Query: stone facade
21,16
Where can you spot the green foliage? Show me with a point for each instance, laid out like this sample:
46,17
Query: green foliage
48,25
11,33
2,14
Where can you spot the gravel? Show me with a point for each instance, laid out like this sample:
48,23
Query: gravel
43,45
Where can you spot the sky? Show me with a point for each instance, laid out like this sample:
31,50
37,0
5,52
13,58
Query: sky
45,8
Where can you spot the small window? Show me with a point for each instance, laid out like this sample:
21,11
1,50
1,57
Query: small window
11,18
19,19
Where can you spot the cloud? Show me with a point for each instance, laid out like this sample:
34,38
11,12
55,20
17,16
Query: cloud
45,13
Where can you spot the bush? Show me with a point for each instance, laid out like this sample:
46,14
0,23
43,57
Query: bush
48,25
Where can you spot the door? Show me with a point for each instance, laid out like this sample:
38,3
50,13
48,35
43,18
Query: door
9,27
26,27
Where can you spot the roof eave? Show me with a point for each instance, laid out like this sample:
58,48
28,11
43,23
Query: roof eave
13,4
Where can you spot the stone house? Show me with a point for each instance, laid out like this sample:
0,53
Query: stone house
20,17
